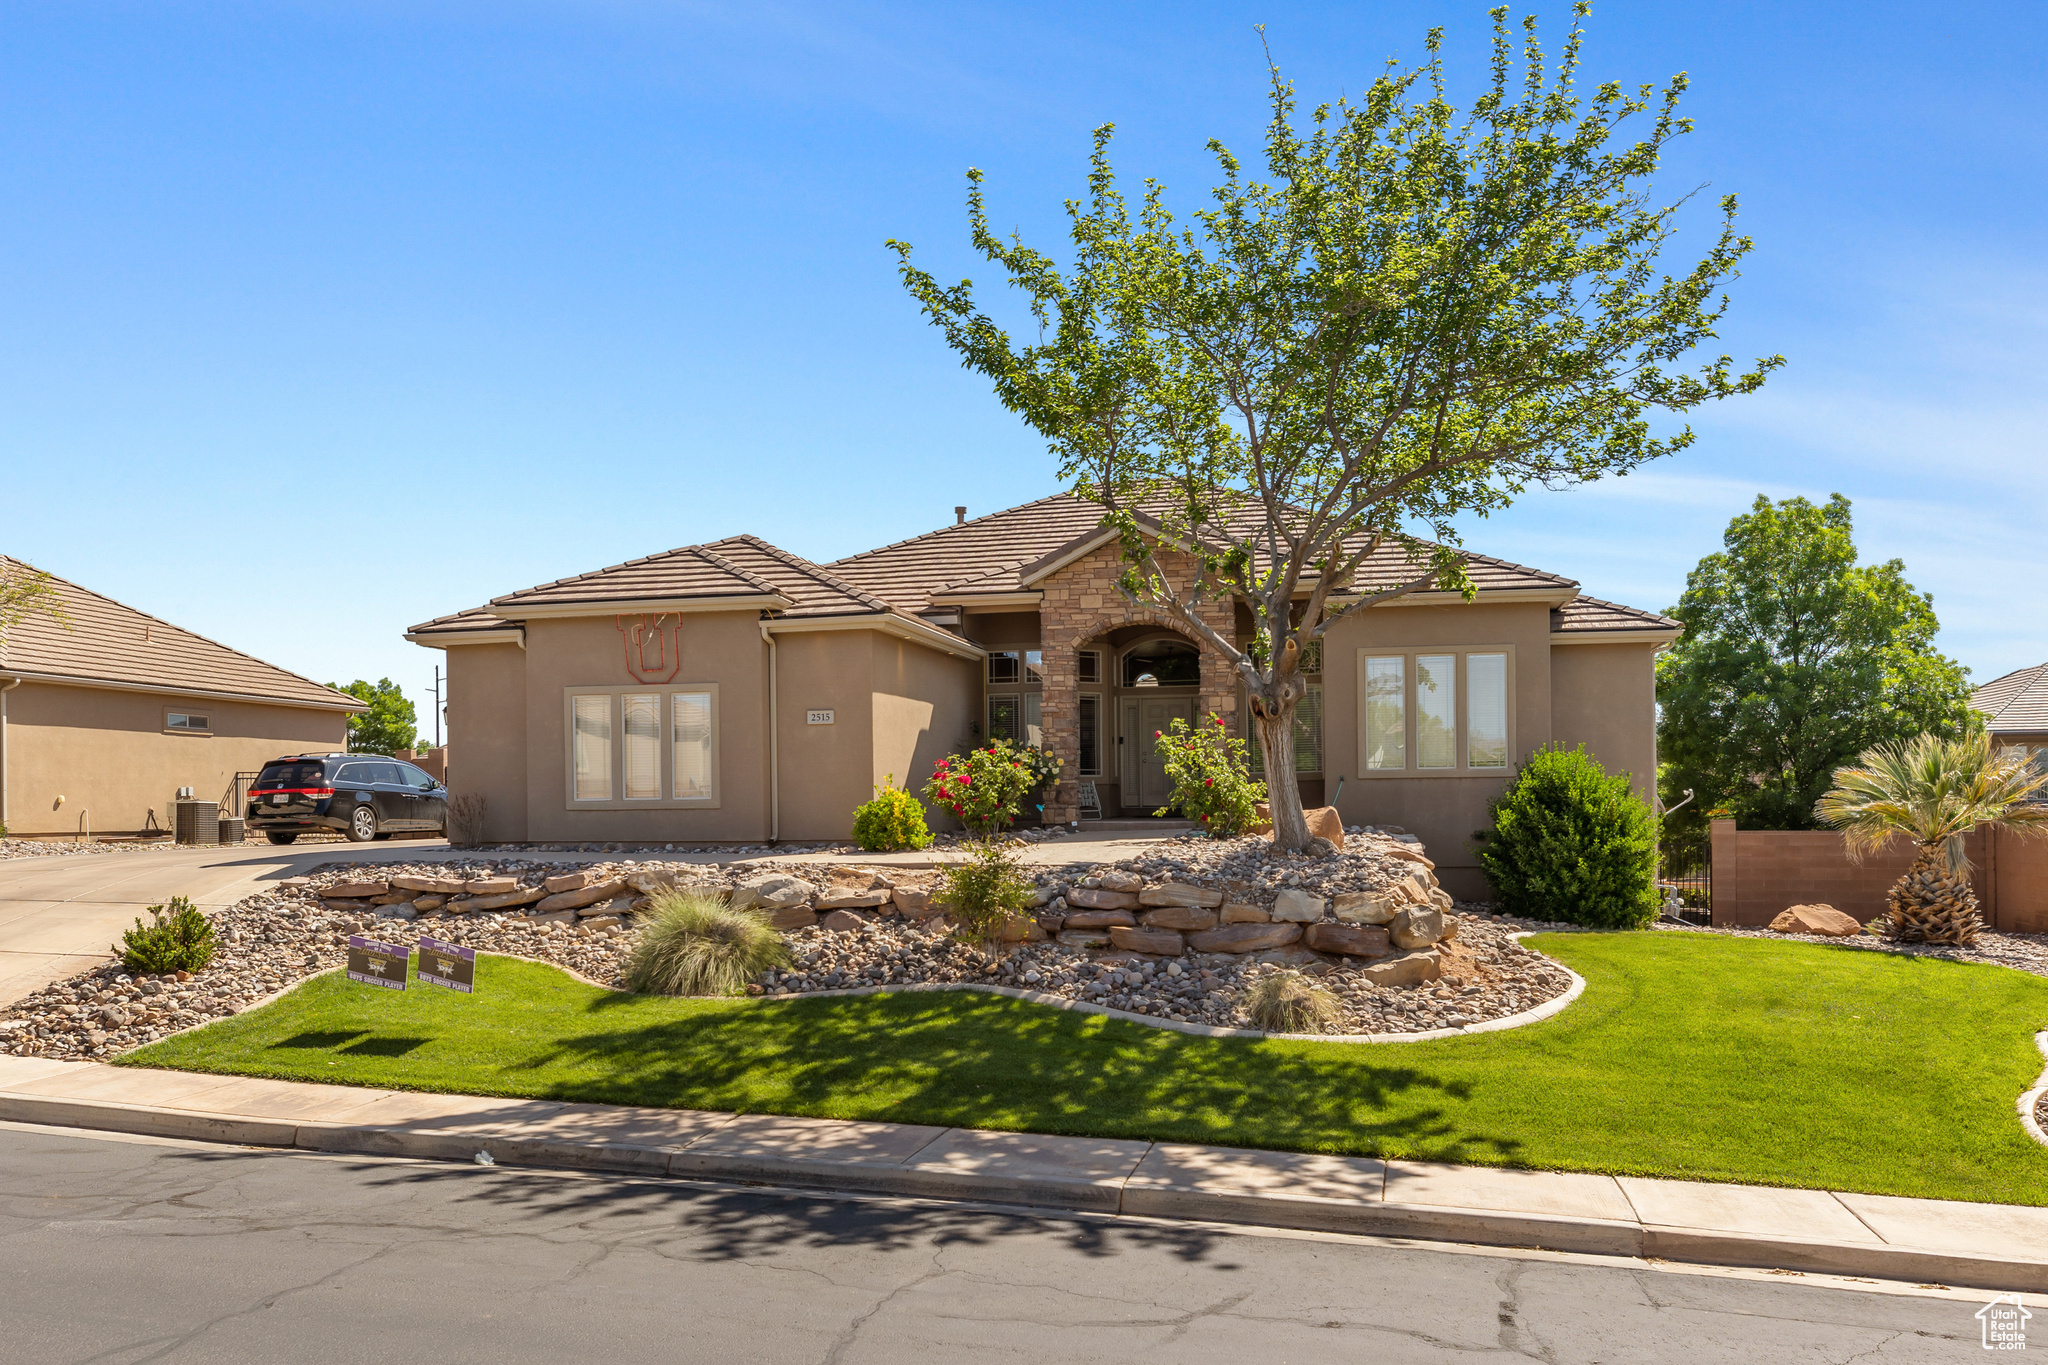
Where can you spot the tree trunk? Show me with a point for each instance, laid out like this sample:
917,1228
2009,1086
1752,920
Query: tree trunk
1273,719
1930,904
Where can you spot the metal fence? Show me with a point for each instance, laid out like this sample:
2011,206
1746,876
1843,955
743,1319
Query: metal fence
1689,873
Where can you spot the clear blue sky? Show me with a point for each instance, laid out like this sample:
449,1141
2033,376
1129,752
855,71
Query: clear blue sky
321,319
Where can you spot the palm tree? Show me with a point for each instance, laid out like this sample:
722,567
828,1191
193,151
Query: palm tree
1934,791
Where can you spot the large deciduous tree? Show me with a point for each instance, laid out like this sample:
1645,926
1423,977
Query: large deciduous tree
1795,659
1416,315
389,725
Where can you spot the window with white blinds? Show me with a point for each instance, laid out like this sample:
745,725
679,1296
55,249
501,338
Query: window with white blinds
1436,711
634,748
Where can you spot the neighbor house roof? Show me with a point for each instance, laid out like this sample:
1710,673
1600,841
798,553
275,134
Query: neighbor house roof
2017,703
110,644
1006,552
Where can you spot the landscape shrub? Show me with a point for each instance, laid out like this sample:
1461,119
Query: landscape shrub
1285,1002
893,820
1571,843
985,891
466,812
1211,777
698,945
983,787
178,938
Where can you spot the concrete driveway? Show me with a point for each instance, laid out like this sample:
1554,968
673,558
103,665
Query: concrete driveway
59,915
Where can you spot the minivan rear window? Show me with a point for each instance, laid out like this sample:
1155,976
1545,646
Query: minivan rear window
289,776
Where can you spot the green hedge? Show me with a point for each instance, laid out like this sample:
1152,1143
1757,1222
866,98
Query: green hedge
1571,843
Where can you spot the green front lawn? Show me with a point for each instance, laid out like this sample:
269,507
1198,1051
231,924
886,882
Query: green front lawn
1687,1056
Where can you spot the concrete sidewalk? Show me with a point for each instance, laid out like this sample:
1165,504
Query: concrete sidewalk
1988,1246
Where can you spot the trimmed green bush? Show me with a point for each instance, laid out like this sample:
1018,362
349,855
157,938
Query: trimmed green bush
986,891
1211,777
698,945
1286,1002
178,938
1571,843
893,820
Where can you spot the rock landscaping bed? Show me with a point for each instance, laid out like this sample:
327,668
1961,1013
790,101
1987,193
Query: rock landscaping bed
1179,933
2023,952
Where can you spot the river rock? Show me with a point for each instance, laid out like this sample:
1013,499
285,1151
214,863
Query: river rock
841,922
1115,880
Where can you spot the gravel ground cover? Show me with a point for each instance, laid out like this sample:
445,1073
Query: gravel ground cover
2023,952
280,936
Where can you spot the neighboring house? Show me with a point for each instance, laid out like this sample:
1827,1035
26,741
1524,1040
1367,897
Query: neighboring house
102,724
733,691
2016,706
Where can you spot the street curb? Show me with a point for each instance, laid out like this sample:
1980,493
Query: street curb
1124,1194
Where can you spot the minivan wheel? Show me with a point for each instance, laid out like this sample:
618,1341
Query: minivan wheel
281,836
362,825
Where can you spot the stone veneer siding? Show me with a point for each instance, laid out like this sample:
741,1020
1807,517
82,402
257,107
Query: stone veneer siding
1080,602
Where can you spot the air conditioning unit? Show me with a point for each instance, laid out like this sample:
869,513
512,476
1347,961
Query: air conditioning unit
198,822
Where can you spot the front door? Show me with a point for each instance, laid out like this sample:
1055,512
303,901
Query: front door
1154,715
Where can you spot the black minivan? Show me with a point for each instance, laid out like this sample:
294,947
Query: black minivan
365,796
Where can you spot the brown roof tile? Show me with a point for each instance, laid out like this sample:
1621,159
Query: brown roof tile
111,642
2017,703
1592,614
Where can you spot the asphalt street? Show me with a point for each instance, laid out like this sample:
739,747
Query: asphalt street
131,1249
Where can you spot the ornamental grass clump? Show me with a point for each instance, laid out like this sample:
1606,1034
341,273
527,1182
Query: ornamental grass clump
892,821
1933,791
1211,777
1285,1002
178,938
1571,843
984,787
698,945
984,892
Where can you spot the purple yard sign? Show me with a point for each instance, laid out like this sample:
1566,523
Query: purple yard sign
444,964
377,964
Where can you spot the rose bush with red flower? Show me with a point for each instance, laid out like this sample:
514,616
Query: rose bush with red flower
983,787
1211,776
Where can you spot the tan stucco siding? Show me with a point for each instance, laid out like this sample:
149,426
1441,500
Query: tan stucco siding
1605,697
107,753
827,770
724,648
487,734
924,702
1443,810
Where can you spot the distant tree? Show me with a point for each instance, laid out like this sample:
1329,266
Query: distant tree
388,726
1418,314
1795,659
26,592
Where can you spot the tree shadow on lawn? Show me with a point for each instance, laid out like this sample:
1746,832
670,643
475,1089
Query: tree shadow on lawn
978,1062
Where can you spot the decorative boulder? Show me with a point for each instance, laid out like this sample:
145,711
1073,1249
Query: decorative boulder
349,891
567,881
773,891
851,896
1121,881
581,896
1353,940
841,922
1410,853
1364,907
1244,938
1183,918
1297,907
445,886
913,902
1325,823
1163,941
1021,929
792,917
1417,927
1411,969
1091,898
1816,919
1179,893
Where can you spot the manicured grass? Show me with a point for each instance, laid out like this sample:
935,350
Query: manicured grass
1687,1056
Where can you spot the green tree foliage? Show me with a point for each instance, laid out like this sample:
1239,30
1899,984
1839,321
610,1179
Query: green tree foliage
893,820
1418,314
1795,659
388,726
26,592
1571,843
985,890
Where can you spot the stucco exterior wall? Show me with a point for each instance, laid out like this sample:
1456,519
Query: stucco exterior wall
923,702
715,647
107,753
827,770
1443,810
1605,697
487,728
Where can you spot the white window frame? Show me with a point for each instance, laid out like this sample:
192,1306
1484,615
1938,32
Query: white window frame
1085,662
1408,654
988,716
1104,727
664,748
204,727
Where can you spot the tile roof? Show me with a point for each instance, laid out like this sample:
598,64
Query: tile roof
991,553
111,642
1591,613
2017,703
738,566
